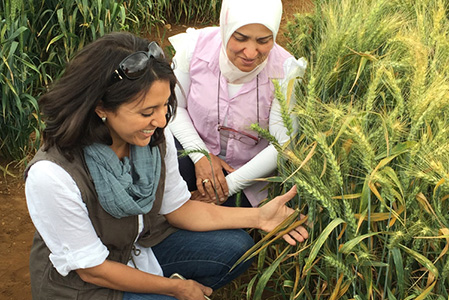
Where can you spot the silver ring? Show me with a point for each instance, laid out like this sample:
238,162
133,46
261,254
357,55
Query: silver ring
205,181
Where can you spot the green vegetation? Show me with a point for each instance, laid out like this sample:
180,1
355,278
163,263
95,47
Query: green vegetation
38,37
370,160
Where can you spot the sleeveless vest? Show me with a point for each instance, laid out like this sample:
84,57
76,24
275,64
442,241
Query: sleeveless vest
118,235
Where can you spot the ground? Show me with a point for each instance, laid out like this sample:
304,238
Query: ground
16,228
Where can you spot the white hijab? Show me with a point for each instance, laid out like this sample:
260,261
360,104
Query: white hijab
237,13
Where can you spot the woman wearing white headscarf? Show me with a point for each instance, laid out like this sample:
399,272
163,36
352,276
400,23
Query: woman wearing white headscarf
225,75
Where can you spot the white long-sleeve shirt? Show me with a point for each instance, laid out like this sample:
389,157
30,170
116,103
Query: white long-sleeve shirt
61,217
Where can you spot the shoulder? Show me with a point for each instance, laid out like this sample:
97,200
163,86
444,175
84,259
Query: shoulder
275,62
290,63
283,65
280,52
171,153
294,69
277,57
51,155
45,176
169,139
185,44
189,38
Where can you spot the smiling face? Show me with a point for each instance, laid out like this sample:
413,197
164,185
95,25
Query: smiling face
249,46
135,122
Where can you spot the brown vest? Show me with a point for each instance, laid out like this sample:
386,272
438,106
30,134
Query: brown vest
118,235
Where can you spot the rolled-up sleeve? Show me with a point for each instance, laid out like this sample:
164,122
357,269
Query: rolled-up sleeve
61,218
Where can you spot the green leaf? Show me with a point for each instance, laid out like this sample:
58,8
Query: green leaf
421,259
390,295
349,245
15,34
401,284
54,40
318,243
266,275
398,149
274,179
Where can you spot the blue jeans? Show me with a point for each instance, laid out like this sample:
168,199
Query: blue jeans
206,257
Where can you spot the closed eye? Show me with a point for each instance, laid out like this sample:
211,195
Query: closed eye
152,111
264,40
240,37
148,115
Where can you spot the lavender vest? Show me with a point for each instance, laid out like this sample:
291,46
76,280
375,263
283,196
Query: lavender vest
240,110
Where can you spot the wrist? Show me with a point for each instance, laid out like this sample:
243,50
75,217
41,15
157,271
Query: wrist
196,156
232,187
259,219
176,288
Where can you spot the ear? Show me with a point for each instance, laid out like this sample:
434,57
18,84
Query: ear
99,110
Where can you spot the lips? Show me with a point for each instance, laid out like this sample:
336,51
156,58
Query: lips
147,132
247,62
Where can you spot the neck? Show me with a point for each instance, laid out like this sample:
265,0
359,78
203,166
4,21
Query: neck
121,150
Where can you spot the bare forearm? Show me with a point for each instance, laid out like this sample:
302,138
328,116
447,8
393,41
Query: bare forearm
200,216
121,277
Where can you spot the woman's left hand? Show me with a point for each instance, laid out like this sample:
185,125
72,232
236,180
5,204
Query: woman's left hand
212,188
275,212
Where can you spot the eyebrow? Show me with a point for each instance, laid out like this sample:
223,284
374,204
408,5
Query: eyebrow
260,38
154,106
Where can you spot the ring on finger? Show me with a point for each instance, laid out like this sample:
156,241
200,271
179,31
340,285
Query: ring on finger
205,181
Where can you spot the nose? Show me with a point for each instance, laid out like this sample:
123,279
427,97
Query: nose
160,119
250,51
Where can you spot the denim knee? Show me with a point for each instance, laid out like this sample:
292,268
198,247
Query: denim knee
241,241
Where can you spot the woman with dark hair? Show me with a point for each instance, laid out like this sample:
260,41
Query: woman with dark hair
111,211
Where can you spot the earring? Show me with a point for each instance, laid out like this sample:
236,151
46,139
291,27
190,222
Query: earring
103,119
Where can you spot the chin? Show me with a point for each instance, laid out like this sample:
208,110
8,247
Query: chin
143,143
246,68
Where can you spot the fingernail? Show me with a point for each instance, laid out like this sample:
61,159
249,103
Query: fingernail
222,199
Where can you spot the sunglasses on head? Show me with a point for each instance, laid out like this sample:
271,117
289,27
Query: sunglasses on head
134,65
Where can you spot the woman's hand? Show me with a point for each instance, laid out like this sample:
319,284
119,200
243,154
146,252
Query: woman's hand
197,196
191,290
275,212
205,180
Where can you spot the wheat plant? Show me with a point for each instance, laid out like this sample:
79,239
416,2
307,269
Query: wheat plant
369,158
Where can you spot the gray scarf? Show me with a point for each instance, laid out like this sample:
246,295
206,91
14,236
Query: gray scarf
128,187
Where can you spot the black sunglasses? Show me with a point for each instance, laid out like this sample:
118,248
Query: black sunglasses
134,65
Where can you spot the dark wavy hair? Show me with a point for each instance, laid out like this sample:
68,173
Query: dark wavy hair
69,107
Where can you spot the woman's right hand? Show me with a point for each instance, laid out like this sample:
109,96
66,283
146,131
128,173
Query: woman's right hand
205,180
191,290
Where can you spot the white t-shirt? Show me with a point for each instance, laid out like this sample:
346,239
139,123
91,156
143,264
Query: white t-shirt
61,217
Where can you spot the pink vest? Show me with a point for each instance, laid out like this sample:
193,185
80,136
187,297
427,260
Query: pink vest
240,110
